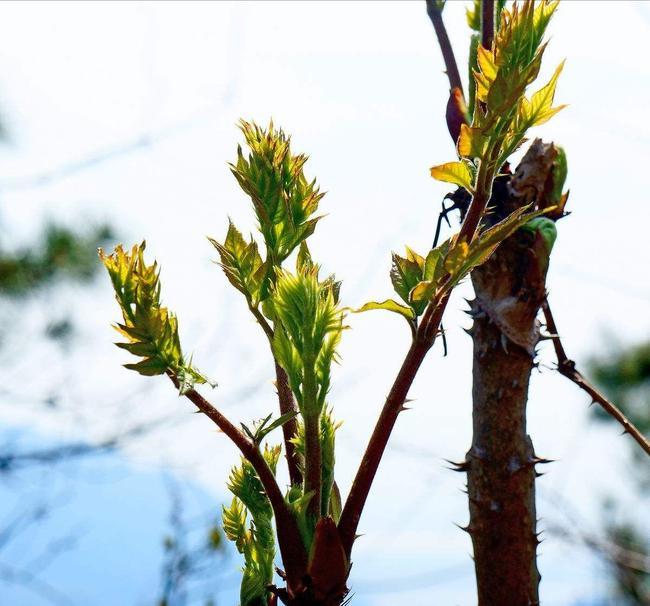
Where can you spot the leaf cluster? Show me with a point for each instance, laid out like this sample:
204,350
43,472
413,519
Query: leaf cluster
307,330
284,201
420,280
248,523
502,114
151,330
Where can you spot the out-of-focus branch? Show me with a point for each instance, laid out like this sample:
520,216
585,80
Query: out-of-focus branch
567,367
10,461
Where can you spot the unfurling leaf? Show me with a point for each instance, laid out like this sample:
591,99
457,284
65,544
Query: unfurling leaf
308,329
151,330
283,198
242,264
255,542
458,173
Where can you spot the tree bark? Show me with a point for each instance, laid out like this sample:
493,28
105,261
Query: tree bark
509,289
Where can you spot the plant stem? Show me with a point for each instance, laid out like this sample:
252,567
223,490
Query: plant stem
377,445
287,404
290,542
435,14
487,23
424,339
311,418
567,367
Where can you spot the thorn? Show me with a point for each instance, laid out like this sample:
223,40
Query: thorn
408,400
198,411
469,331
466,529
539,474
462,466
541,461
404,408
548,337
504,343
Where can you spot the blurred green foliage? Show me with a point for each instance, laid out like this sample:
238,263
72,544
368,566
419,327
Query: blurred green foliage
60,253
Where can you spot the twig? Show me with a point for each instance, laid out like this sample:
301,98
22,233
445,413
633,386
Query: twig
290,541
567,367
423,341
435,14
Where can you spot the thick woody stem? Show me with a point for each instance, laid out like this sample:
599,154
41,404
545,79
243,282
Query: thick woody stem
567,367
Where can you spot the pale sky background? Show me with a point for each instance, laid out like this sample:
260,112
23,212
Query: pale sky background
360,87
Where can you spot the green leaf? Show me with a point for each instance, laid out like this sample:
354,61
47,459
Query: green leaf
284,200
545,228
560,171
457,173
266,428
539,109
234,523
151,330
473,15
388,305
472,142
405,273
456,257
242,263
423,292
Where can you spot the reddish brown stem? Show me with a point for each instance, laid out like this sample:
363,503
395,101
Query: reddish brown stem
287,404
487,23
567,367
290,542
435,14
372,457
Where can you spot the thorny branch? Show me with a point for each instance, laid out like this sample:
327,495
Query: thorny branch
567,367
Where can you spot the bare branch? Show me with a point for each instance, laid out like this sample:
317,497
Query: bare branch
435,14
567,367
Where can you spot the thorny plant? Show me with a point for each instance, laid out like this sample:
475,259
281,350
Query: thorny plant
303,319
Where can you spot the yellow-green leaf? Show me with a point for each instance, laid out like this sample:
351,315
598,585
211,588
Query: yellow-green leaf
456,257
471,142
457,173
388,305
539,109
423,291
